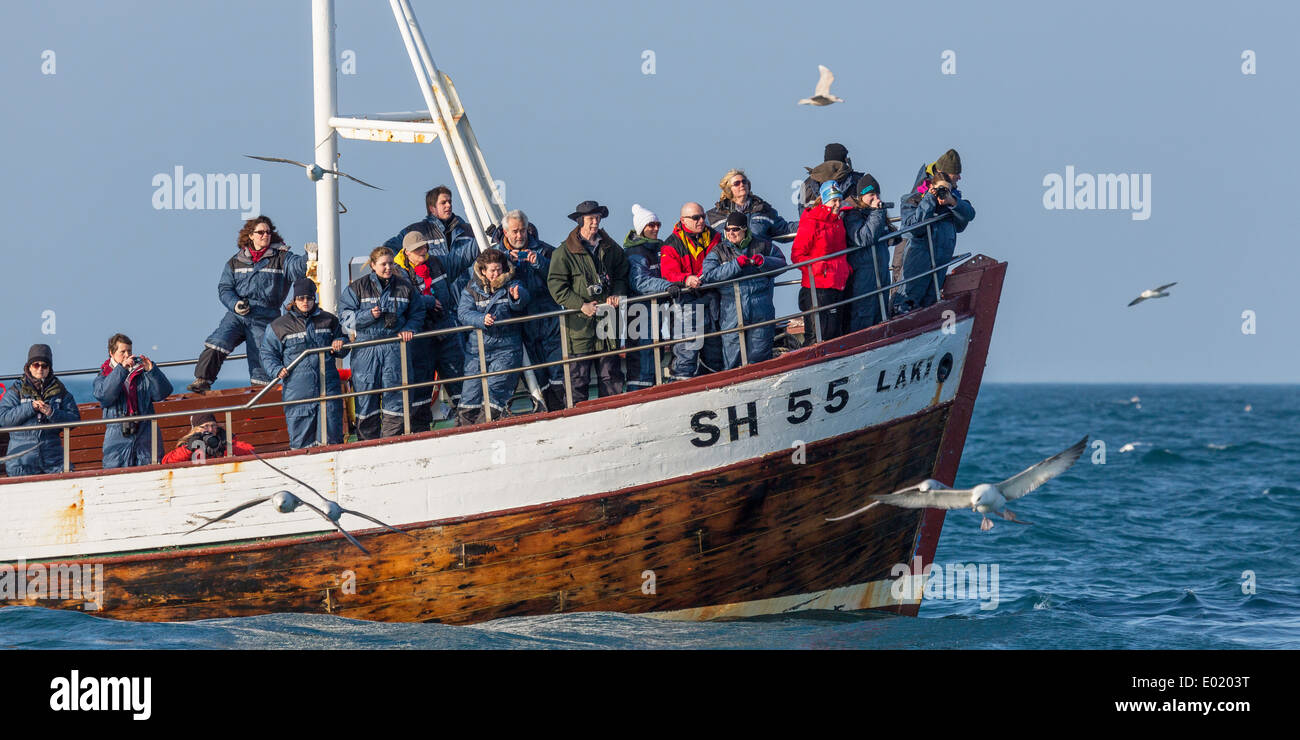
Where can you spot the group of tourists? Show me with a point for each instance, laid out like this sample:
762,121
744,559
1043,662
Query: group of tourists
431,276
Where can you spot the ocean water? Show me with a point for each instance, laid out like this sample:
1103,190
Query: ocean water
1187,536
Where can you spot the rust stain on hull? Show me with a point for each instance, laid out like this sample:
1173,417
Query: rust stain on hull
71,521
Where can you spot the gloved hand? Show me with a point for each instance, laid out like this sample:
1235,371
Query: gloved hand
242,308
493,232
756,260
742,260
675,290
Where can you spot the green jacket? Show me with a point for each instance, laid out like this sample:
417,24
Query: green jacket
573,271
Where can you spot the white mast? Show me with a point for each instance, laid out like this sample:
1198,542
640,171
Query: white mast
325,152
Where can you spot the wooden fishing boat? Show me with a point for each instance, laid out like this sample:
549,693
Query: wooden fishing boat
700,499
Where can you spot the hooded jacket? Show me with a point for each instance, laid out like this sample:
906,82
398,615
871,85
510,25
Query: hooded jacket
821,232
483,297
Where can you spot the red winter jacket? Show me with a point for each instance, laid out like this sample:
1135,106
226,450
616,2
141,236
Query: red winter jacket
821,232
183,454
676,263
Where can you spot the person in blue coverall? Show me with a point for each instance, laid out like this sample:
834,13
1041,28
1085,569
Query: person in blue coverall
864,225
305,326
433,275
129,385
492,296
739,254
934,194
530,258
378,305
253,285
37,398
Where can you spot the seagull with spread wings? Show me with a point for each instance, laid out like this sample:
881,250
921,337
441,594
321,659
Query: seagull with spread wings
314,171
984,498
285,503
1149,294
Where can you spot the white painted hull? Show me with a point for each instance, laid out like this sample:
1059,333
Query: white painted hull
445,476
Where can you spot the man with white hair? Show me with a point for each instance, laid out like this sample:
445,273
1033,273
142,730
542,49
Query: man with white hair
531,259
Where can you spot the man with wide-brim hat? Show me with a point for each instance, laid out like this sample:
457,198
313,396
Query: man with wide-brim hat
589,270
37,398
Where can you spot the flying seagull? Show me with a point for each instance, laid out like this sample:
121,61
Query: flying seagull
314,171
822,95
983,498
1148,294
285,502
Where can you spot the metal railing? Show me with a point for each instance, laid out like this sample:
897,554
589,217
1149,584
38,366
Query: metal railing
656,345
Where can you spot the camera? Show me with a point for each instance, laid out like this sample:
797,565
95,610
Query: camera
595,290
389,318
130,428
213,445
135,359
942,193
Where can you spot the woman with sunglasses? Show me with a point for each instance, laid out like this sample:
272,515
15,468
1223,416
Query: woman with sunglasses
764,223
37,398
254,285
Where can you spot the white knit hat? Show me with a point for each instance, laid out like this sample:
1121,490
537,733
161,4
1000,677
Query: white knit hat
641,217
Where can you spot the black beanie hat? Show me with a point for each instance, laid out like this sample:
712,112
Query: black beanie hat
304,286
738,219
40,352
835,153
950,162
867,184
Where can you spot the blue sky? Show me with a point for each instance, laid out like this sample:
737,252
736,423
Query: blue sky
564,112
